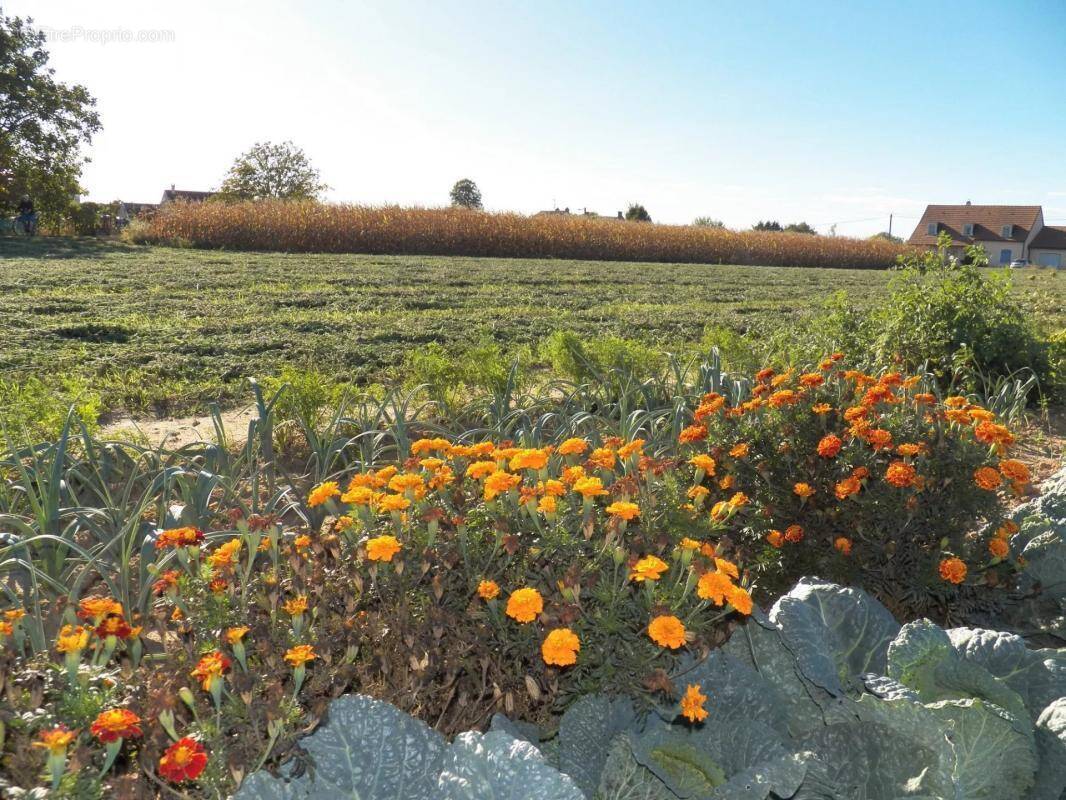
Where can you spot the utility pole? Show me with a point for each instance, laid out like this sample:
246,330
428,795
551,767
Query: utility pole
889,226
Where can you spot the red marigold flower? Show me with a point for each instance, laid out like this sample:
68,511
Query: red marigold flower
183,761
116,723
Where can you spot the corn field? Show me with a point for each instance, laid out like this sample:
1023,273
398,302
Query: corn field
310,227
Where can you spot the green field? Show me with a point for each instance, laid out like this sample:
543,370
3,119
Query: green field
167,329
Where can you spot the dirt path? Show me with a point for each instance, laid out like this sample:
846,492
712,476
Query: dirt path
176,432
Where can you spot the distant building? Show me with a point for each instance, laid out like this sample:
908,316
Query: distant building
1007,233
185,195
584,213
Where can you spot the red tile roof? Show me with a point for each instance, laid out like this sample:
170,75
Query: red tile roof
988,222
1051,237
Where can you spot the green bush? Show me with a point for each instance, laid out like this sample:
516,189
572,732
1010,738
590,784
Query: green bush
584,359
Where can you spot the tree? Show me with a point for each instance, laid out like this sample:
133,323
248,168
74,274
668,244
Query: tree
465,194
637,213
767,226
708,222
800,227
43,124
280,171
888,237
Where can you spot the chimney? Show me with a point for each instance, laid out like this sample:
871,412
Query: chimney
172,187
968,202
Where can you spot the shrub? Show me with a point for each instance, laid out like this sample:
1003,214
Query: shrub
587,359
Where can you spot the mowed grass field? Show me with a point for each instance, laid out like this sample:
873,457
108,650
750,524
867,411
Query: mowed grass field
164,329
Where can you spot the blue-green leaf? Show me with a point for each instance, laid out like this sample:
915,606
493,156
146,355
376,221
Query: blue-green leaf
494,766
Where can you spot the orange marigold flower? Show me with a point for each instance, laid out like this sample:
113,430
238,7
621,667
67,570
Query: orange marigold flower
649,568
488,590
987,478
692,704
179,537
909,450
688,544
114,626
998,547
738,500
843,545
829,445
991,433
225,555
924,399
739,598
210,668
811,379
55,740
728,567
524,605
382,548
956,402
721,510
855,412
980,414
237,634
602,457
693,433
589,487
847,487
739,450
183,761
803,490
1014,470
573,447
300,654
764,374
953,570
901,474
323,492
481,469
821,408
635,447
726,483
296,605
704,462
532,458
499,483
114,724
393,502
548,505
96,608
1007,529
572,475
666,630
72,639
714,586
624,510
775,538
783,397
878,438
697,492
560,648
707,549
794,534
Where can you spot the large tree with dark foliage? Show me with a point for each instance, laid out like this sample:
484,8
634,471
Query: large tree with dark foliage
272,171
43,125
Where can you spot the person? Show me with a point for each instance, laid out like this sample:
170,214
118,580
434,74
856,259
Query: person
27,216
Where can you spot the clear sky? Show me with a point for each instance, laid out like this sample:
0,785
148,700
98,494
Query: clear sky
824,112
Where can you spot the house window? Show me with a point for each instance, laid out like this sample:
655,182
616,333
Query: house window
1005,255
967,229
1007,231
931,230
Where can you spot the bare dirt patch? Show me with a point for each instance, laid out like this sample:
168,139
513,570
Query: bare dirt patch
176,432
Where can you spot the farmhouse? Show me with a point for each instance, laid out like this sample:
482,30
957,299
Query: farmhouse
185,195
1007,233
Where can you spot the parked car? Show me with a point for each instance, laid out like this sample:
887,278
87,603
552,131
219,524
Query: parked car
1021,262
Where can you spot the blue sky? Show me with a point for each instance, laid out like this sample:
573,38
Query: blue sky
826,112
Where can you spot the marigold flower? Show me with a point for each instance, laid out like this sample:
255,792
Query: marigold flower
179,537
360,496
953,570
1007,529
847,487
794,534
697,493
843,545
878,438
14,614
481,469
764,374
666,630
548,505
632,448
235,635
704,462
991,433
692,704
114,626
55,740
382,548
499,483
688,544
783,397
740,450
821,408
623,510
300,654
72,639
924,399
96,608
901,474
693,433
738,597
573,447
602,457
720,510
998,547
210,668
1014,470
649,568
811,379
775,538
393,502
323,492
829,446
117,723
488,590
572,475
738,500
726,482
183,761
714,586
909,450
532,458
225,555
987,478
589,487
560,648
296,605
524,605
803,490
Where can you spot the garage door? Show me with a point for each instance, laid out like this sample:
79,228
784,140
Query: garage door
1051,259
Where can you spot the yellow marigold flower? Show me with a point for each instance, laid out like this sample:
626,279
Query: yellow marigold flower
72,639
624,510
953,570
726,483
692,704
300,654
738,597
589,487
225,555
998,547
295,606
382,548
406,481
524,605
359,496
548,505
738,500
302,542
704,462
649,568
688,544
573,447
739,450
488,590
431,464
1014,470
720,510
235,635
803,490
533,458
96,608
55,740
635,447
714,586
323,492
843,545
560,648
666,630
697,493
901,474
821,408
987,478
481,469
602,457
572,475
14,614
499,483
393,502
728,567
775,538
956,402
444,476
